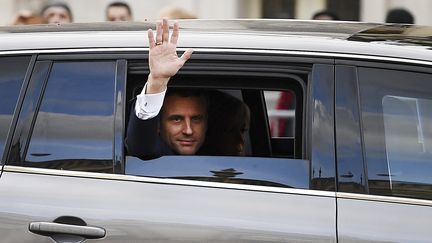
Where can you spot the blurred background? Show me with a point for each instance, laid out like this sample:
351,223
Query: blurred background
356,10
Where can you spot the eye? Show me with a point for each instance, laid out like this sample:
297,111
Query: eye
197,118
175,118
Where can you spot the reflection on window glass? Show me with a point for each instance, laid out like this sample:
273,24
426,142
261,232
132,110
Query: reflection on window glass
408,139
74,126
12,72
397,127
235,169
281,112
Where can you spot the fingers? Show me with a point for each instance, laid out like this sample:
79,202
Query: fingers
162,35
159,32
175,33
186,55
151,38
165,30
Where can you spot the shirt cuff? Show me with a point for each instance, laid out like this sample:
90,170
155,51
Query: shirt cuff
148,106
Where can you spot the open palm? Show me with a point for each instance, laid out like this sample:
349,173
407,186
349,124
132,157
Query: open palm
163,59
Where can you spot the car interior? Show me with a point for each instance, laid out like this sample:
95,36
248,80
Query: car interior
260,142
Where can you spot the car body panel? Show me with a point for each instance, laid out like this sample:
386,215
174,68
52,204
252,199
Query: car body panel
389,219
149,210
310,36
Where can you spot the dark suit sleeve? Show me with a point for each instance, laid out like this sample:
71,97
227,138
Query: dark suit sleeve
142,138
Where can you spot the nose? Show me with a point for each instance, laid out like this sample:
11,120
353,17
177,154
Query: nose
55,19
240,138
240,149
187,128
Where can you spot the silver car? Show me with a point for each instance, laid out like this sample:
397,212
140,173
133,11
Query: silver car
339,147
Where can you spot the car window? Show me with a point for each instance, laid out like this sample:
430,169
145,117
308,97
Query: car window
74,125
266,160
397,124
12,72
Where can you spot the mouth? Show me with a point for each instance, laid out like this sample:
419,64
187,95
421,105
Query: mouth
186,142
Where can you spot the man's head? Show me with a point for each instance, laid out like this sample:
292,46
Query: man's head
118,11
184,120
57,13
399,15
325,15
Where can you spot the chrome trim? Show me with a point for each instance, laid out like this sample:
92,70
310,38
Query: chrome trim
180,182
226,50
387,199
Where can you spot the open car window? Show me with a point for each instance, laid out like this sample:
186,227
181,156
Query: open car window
270,158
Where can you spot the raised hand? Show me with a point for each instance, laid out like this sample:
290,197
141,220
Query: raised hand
163,59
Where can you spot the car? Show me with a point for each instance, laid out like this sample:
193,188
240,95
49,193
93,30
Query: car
338,150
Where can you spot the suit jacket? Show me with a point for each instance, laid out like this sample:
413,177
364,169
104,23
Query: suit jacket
143,140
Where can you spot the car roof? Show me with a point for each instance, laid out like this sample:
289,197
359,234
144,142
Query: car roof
332,37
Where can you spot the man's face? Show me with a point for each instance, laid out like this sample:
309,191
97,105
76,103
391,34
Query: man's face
184,123
118,14
56,15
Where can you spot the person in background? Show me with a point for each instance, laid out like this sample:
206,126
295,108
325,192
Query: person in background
400,16
228,124
176,13
57,13
25,17
325,15
118,11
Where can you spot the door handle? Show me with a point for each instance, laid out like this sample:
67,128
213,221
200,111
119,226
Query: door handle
49,229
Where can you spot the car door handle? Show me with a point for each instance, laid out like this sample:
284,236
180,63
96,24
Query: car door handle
49,229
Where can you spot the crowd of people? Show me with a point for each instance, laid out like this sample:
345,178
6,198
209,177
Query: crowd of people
60,12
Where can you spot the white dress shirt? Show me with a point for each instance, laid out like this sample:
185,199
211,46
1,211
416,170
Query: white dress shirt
148,106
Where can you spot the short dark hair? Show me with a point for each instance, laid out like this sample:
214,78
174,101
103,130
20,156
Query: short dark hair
399,15
58,4
119,4
326,13
189,92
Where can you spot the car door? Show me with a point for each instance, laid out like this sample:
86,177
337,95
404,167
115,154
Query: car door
383,152
64,180
65,124
259,198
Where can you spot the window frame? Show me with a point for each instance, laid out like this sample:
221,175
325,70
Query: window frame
29,106
321,127
18,105
241,66
347,98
